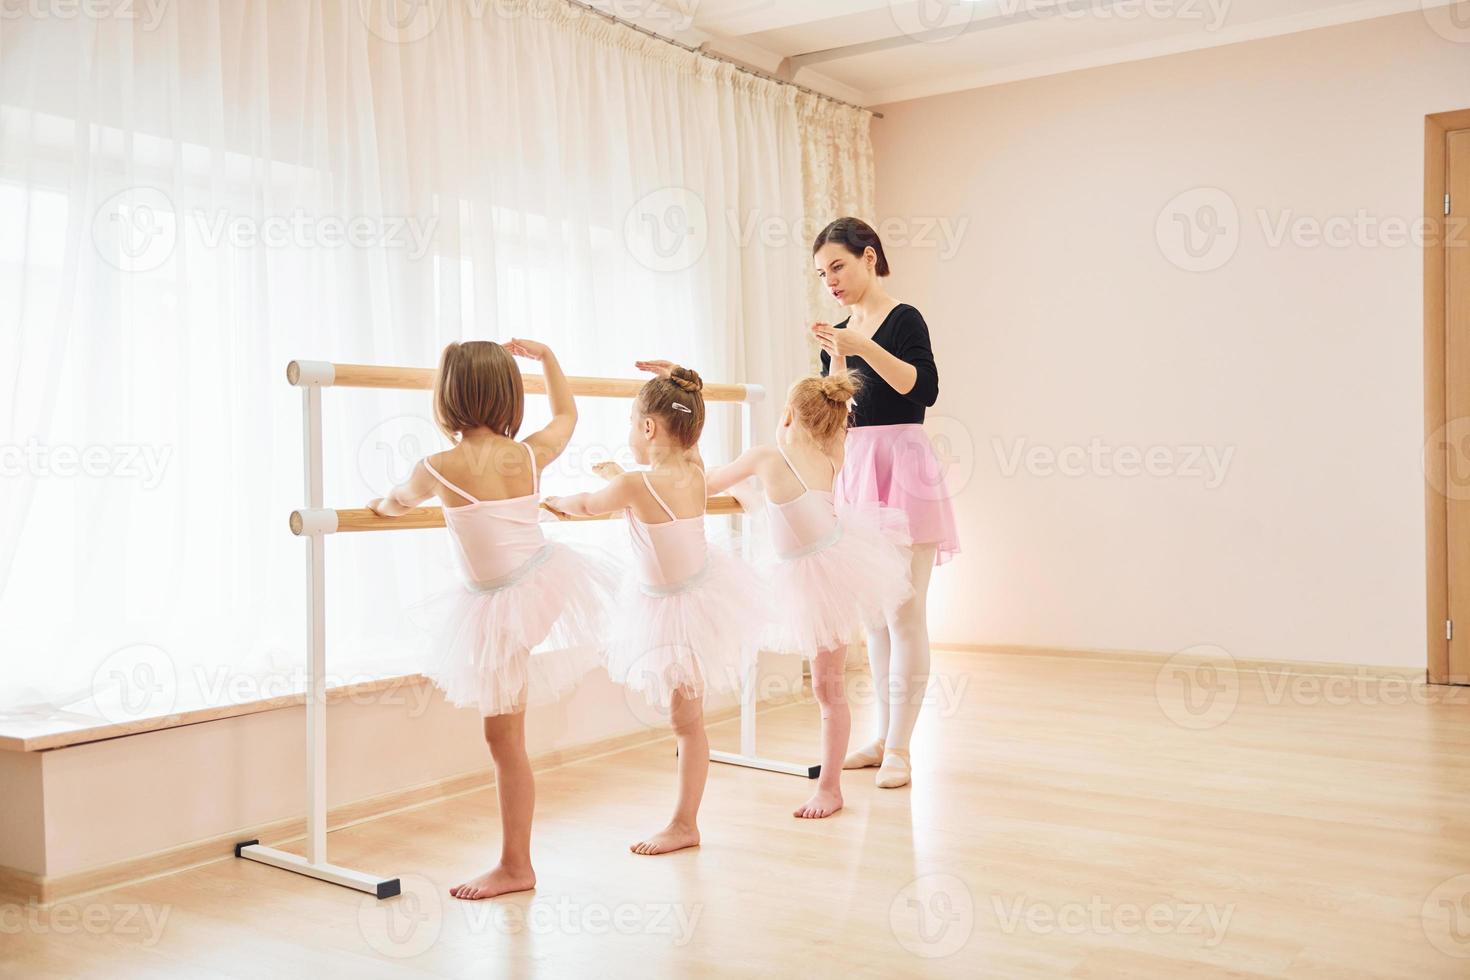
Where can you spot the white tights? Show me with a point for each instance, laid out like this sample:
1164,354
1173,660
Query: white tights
899,658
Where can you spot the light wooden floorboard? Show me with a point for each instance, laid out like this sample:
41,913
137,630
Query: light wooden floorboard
1062,823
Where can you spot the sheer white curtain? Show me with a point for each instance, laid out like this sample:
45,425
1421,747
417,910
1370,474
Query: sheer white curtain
193,194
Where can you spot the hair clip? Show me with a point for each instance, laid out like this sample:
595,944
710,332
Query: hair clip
683,408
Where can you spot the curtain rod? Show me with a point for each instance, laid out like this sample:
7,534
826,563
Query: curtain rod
718,57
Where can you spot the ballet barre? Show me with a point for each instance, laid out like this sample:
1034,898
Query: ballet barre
328,521
315,522
327,375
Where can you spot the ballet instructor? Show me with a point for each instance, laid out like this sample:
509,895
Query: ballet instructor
889,462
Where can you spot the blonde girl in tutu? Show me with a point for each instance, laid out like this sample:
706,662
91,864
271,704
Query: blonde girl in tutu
833,575
685,626
520,590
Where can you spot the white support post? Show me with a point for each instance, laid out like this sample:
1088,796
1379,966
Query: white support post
750,683
315,862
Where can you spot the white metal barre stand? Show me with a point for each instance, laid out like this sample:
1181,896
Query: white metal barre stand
312,377
749,684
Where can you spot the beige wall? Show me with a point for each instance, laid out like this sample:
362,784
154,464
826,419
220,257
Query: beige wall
1060,318
166,789
22,815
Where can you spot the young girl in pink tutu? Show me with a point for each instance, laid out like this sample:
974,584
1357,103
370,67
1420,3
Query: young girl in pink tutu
687,626
832,575
520,590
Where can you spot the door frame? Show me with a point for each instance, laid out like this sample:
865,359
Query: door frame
1436,517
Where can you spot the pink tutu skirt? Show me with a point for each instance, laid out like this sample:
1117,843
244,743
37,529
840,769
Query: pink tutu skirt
896,466
486,652
823,598
697,640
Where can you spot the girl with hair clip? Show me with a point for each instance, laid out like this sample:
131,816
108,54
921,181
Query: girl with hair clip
832,575
687,622
520,590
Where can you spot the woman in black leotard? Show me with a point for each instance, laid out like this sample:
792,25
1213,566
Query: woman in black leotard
889,462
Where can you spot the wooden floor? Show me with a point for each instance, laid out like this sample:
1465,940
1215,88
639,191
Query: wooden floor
1068,818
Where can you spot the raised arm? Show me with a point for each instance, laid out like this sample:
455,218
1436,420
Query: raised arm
910,370
617,495
722,478
407,495
549,442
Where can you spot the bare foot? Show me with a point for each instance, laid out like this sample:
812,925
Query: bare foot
674,837
497,881
823,803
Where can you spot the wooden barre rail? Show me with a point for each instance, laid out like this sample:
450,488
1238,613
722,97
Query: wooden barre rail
420,518
327,374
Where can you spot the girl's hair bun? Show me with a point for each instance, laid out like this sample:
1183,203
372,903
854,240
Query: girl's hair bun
840,387
687,378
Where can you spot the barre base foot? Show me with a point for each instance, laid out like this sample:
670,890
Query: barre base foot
769,765
374,885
